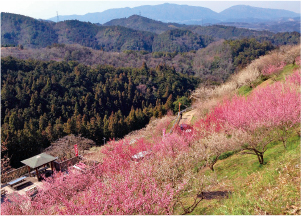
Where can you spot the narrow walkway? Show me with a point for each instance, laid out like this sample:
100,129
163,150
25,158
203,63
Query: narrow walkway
187,117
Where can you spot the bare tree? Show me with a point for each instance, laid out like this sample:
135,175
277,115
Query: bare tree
256,142
63,148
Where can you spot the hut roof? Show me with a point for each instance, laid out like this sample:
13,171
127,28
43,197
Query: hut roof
38,160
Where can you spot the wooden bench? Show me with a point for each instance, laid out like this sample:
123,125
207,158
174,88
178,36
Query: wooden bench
20,184
16,181
31,191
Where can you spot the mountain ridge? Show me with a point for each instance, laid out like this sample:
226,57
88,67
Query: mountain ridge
183,14
133,33
244,12
21,30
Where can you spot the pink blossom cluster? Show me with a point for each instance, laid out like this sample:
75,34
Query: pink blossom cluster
118,185
273,69
297,60
273,105
294,79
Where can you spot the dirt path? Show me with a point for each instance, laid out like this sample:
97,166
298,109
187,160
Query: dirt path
187,117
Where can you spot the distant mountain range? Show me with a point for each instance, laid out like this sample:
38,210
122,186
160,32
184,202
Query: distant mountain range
184,14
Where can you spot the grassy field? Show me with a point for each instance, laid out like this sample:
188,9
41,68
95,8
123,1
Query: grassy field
262,80
243,186
288,69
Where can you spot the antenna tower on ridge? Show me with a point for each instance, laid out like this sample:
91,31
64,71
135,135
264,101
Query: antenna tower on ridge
57,16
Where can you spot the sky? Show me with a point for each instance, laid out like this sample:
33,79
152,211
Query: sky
45,9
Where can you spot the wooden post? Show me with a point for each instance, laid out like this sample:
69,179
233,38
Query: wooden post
37,172
29,171
179,107
51,165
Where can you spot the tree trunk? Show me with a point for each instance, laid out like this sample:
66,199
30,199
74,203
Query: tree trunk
211,164
260,157
284,143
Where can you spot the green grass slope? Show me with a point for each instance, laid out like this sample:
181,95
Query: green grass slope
243,186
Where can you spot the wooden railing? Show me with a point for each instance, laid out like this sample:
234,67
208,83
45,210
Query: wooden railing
61,166
7,177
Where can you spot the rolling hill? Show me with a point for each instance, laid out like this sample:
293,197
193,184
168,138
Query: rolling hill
216,31
133,33
19,29
143,24
179,41
28,32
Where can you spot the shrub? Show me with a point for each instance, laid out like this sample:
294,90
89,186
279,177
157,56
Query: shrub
185,102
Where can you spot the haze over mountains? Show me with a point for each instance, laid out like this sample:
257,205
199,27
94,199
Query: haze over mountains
185,14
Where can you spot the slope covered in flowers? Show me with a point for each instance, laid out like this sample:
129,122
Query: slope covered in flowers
171,177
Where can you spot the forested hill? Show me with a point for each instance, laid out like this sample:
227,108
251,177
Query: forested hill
143,24
42,101
113,38
135,33
28,32
228,32
22,30
216,31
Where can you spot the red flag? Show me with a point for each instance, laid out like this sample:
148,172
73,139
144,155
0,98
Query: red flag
76,150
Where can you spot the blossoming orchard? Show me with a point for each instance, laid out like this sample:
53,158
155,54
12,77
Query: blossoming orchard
155,184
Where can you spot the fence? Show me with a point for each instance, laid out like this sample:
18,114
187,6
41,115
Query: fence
7,177
61,166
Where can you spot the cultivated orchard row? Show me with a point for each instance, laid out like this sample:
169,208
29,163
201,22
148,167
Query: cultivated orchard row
155,184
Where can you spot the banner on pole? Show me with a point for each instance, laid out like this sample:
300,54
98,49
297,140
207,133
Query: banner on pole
76,150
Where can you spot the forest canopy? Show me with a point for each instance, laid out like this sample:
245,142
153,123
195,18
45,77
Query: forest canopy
45,100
